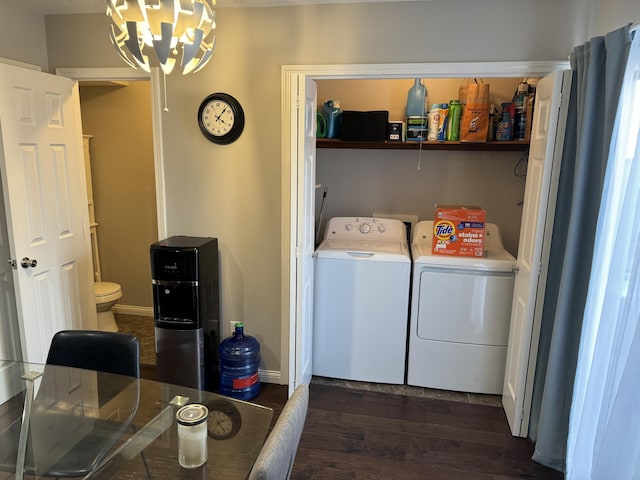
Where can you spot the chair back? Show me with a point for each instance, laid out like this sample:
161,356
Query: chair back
93,437
275,461
108,352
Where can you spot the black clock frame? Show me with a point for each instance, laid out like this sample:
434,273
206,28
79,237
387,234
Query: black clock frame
238,114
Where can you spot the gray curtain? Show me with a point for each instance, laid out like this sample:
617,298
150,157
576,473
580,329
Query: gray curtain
598,68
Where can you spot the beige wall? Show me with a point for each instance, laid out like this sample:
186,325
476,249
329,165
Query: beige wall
22,34
122,170
614,14
233,192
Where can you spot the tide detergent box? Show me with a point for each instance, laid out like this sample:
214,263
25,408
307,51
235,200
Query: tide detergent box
458,230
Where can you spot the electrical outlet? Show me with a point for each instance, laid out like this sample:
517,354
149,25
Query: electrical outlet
232,327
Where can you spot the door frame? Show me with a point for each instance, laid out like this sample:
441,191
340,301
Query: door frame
292,211
129,74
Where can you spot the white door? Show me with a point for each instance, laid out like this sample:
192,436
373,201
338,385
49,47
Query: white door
43,183
545,152
305,235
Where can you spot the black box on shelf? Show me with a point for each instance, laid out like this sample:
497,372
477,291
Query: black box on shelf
395,131
365,126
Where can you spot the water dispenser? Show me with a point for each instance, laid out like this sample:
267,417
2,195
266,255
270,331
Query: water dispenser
186,304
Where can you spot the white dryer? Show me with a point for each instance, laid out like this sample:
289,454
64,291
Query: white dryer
361,300
460,314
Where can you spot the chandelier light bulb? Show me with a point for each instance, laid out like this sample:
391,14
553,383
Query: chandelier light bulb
164,33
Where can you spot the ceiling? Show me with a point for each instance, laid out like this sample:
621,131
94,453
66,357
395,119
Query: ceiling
56,7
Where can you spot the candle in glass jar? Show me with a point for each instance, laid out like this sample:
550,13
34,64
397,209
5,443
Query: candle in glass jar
192,435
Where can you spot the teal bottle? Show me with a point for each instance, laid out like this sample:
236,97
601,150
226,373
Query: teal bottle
417,100
333,115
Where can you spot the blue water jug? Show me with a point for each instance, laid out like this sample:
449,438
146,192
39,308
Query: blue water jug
240,365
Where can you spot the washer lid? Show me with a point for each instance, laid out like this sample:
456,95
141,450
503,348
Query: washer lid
362,249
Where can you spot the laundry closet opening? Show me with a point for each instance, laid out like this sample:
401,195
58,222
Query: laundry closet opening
365,327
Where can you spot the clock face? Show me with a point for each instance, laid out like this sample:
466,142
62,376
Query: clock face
224,420
221,424
221,118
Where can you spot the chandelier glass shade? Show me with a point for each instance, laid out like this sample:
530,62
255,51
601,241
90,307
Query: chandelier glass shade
165,33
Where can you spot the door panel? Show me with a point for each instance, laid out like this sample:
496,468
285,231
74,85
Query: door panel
535,235
45,198
306,233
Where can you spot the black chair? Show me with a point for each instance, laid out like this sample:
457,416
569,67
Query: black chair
102,352
107,352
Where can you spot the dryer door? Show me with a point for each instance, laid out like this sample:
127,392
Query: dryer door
464,306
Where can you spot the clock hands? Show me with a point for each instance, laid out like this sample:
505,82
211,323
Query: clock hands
221,113
221,118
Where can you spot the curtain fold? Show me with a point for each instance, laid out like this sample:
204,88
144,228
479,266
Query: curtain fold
604,428
598,68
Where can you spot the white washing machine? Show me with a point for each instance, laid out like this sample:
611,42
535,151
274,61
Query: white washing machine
460,314
361,300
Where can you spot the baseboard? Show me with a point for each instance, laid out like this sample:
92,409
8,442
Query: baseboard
269,376
133,310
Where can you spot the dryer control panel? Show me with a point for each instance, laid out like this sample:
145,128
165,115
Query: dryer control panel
384,229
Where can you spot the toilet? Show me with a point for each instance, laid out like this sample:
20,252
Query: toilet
107,295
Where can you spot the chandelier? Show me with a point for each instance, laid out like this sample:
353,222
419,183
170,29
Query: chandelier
165,33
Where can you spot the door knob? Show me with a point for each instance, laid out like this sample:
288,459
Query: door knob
26,262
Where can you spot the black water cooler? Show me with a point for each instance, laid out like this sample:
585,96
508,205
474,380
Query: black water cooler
186,305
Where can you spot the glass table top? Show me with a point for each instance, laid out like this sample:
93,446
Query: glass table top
131,423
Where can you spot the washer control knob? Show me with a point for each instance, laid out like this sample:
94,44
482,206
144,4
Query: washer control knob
381,228
365,228
348,227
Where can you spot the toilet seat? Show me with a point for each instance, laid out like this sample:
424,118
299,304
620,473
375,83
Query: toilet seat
107,292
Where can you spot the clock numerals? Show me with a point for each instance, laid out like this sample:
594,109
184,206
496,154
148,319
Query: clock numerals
224,419
221,118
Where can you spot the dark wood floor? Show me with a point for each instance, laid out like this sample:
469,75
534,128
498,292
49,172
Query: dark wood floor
355,434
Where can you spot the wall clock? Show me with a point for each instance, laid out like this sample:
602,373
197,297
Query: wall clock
221,118
224,419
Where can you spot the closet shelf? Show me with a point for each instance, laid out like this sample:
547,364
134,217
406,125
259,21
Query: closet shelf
510,146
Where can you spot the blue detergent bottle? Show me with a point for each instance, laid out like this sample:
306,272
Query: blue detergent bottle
417,100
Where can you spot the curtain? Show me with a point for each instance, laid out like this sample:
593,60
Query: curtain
598,68
604,428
